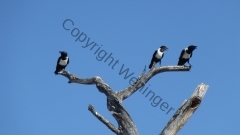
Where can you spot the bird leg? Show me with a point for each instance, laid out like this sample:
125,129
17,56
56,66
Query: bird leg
189,64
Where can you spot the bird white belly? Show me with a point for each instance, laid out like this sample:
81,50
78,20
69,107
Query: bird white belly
159,54
186,55
63,62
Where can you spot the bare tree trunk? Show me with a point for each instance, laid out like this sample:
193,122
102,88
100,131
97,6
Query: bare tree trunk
126,125
185,111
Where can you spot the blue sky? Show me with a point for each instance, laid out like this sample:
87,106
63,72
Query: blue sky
34,101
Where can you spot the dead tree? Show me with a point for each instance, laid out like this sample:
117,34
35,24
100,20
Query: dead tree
126,125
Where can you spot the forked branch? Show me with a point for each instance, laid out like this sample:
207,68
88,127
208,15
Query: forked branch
126,125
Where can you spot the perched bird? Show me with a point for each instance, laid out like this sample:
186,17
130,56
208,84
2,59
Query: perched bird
157,56
186,54
62,62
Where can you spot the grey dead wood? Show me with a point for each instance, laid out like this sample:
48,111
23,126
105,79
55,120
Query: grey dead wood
126,125
185,111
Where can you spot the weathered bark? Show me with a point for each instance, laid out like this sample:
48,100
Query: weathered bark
143,79
126,125
185,111
103,120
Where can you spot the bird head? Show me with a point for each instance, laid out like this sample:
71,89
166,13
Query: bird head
63,53
192,47
163,48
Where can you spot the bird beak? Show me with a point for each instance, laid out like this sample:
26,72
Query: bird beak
60,51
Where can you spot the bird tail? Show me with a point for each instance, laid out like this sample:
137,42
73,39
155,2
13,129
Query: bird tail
151,64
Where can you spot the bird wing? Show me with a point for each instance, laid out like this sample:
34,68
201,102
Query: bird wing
181,54
68,61
154,53
191,54
58,60
162,55
153,56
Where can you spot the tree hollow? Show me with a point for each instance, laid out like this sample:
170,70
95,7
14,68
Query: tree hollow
195,102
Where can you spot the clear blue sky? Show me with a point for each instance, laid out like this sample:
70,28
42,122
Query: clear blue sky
33,101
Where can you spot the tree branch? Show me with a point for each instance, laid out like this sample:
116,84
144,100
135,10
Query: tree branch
143,79
102,87
103,120
185,111
126,125
74,79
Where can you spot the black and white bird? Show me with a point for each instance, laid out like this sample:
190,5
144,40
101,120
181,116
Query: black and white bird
157,56
62,62
185,55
